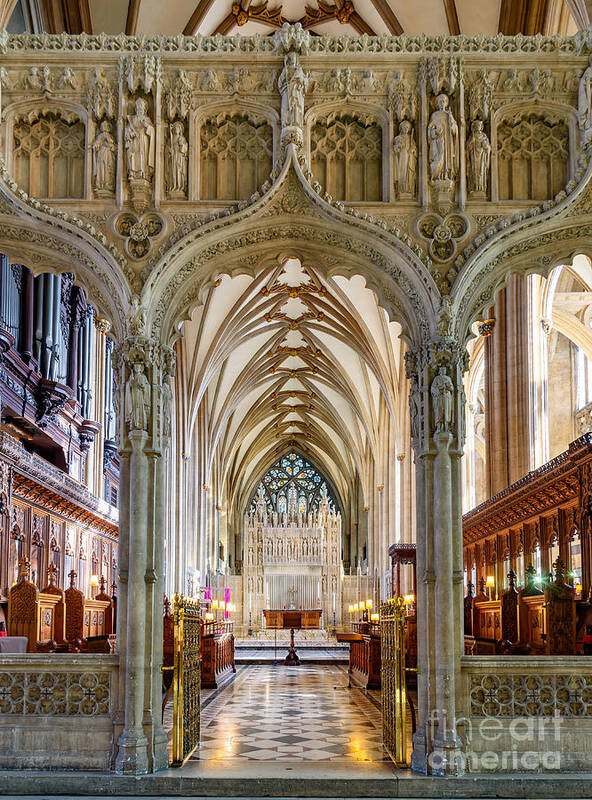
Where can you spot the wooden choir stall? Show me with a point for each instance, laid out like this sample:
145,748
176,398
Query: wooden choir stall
528,552
56,620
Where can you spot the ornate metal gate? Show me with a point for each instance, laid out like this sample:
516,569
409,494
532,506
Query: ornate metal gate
187,678
394,692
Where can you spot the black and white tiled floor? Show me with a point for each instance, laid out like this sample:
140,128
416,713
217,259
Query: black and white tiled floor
278,713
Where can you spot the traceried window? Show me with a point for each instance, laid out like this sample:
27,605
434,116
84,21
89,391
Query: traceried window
346,157
49,156
236,157
532,157
293,481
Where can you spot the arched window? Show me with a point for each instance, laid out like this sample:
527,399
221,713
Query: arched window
293,479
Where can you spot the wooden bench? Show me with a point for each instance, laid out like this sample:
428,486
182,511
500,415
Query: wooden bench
217,653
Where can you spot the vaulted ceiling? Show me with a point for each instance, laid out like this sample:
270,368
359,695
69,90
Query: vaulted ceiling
292,359
378,17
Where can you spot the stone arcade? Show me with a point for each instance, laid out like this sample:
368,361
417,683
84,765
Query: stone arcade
292,237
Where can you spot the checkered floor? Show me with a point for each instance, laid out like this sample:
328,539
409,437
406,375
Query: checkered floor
303,713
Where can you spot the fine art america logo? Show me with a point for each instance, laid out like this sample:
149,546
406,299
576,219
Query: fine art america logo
522,744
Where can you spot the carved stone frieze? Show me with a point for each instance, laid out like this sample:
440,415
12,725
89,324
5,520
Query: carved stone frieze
86,692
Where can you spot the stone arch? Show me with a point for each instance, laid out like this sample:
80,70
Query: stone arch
34,234
289,216
535,241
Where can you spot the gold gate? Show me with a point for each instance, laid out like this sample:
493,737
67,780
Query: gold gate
187,678
394,691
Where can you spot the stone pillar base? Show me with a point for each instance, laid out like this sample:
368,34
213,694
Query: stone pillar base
132,755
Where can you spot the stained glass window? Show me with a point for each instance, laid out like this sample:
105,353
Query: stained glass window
293,479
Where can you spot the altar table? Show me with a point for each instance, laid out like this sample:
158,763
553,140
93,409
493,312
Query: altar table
296,619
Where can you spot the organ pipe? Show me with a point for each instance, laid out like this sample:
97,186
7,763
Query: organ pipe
10,311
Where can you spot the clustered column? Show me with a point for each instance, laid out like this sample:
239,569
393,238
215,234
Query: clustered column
144,368
507,407
437,433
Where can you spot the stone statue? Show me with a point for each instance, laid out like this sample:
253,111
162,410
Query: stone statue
415,410
478,157
166,409
443,142
405,151
103,148
137,399
585,99
139,142
442,391
209,81
293,85
178,149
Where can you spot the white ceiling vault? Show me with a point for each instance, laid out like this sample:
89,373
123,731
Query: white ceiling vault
373,17
292,359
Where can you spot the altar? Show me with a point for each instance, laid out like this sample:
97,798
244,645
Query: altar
292,560
300,619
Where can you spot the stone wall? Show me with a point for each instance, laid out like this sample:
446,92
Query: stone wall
527,714
56,711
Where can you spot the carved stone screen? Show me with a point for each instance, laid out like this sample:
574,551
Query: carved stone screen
346,157
236,157
532,158
49,157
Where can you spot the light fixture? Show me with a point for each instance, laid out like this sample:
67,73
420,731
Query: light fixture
374,617
209,616
351,609
362,605
94,580
369,603
579,588
408,599
214,604
490,582
355,606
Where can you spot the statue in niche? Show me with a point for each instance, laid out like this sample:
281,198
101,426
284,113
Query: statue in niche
139,142
166,410
585,100
178,149
478,157
442,391
405,151
415,409
293,85
103,148
443,142
137,399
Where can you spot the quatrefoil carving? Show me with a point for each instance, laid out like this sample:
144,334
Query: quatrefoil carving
139,233
443,234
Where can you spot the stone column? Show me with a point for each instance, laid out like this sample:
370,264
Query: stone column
507,370
437,433
144,367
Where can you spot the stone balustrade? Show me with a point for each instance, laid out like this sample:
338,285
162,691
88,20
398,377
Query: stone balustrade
56,711
537,710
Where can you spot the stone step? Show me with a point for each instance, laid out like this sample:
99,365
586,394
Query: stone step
397,784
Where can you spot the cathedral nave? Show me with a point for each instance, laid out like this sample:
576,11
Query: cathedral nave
295,397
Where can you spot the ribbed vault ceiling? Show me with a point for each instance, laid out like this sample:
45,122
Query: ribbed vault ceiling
291,359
